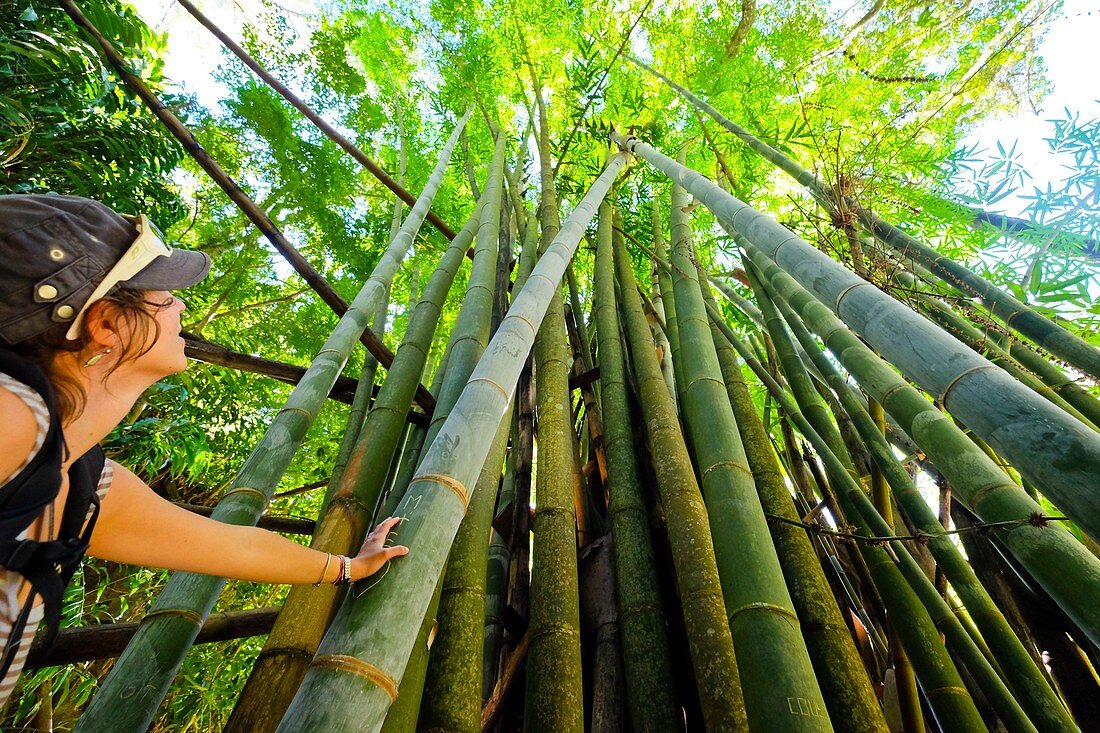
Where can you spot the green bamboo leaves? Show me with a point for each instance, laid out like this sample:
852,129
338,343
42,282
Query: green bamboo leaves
1016,315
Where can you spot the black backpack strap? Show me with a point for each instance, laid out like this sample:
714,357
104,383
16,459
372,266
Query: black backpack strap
48,565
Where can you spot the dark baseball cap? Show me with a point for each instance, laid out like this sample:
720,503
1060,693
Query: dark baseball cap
55,251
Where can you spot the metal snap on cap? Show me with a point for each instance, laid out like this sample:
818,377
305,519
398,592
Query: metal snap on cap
47,292
57,254
66,312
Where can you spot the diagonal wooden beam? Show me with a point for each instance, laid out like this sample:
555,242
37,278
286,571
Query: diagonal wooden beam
209,352
350,148
103,641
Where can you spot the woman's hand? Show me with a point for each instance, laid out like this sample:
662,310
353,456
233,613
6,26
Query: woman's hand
374,553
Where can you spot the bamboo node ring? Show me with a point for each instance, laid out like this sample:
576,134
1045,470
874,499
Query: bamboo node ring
726,464
488,381
890,392
788,240
247,490
366,670
844,293
521,317
448,482
840,327
185,613
763,606
309,415
942,399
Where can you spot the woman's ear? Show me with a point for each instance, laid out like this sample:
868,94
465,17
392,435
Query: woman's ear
101,324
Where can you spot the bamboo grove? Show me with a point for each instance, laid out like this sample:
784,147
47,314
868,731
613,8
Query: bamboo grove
672,466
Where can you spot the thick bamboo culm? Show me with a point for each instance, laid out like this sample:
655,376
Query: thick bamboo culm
467,344
953,707
707,628
452,687
844,683
772,660
648,668
865,514
152,659
1075,583
369,642
307,610
554,700
1019,669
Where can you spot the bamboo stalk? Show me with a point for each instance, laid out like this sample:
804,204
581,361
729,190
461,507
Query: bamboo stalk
104,641
151,661
773,662
453,684
953,707
346,513
955,324
1032,432
467,344
1051,375
452,697
369,642
286,525
648,668
208,352
707,627
554,699
1020,671
1016,315
844,683
666,313
360,405
978,480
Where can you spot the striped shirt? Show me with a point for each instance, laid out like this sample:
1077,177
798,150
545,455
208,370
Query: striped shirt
13,588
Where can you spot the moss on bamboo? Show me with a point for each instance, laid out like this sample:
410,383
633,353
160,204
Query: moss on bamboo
554,696
645,641
705,619
773,662
845,686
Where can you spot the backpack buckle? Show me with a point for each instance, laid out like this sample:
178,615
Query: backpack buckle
19,553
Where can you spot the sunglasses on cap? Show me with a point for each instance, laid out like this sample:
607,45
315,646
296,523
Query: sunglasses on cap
148,246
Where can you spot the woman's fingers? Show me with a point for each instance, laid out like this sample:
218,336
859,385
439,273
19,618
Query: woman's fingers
385,527
396,551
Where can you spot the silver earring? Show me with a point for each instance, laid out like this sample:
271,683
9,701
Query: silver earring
94,359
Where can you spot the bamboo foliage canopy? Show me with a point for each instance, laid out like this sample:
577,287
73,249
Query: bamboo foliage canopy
632,502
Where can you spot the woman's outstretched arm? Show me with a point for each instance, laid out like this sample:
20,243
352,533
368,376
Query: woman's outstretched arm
139,527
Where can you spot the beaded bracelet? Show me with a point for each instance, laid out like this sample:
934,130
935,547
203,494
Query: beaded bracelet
344,576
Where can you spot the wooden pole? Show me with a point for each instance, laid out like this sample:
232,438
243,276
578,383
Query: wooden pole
200,349
103,641
349,147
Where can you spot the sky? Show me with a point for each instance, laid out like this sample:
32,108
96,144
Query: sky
1072,55
1070,48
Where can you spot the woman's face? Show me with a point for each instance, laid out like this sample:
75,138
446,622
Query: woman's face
166,354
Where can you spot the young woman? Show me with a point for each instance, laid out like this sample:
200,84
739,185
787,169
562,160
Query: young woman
87,324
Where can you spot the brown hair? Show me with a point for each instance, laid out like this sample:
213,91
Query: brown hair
128,305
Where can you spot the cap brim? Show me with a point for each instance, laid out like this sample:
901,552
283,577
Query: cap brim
181,269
